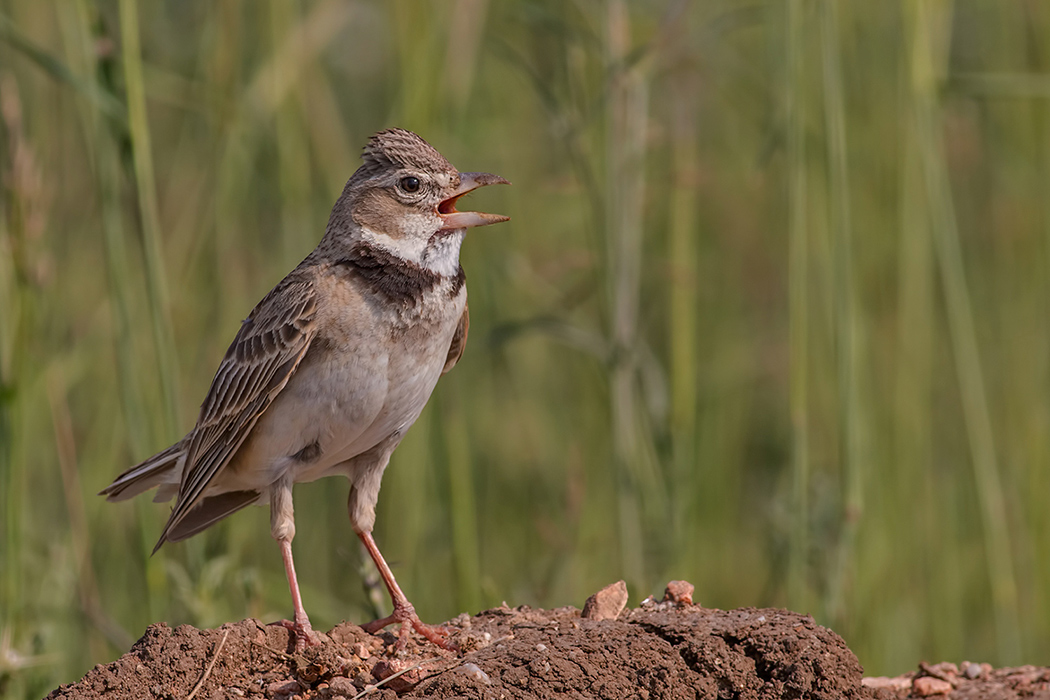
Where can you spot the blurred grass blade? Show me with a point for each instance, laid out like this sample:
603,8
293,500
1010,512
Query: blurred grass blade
102,137
146,188
683,289
798,305
934,17
105,101
292,150
462,506
640,488
1001,85
913,466
461,52
16,326
87,584
283,70
848,326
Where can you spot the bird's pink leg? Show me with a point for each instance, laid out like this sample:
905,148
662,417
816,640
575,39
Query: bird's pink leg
404,612
300,626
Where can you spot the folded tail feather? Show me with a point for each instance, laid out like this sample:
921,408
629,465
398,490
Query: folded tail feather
208,512
145,475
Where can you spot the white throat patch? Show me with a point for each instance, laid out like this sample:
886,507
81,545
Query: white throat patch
442,255
438,254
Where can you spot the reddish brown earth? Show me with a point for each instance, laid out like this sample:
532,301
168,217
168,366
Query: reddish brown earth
660,650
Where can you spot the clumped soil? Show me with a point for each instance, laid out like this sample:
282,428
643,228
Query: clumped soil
660,650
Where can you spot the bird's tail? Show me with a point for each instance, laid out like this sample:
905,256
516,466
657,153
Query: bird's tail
162,468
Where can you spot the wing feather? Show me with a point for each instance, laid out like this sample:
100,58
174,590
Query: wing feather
269,346
459,341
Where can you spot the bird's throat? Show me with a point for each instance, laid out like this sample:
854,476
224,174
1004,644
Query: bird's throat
400,281
442,252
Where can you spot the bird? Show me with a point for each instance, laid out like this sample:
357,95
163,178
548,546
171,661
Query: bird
333,366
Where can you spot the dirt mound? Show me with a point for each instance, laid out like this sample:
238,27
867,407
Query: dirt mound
668,649
660,650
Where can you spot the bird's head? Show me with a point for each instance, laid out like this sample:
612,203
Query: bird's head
403,199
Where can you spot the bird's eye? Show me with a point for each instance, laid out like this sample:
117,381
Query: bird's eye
410,184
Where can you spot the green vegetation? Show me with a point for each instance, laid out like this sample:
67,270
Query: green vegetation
772,315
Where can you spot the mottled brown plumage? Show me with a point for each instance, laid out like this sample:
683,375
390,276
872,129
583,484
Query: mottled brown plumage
334,364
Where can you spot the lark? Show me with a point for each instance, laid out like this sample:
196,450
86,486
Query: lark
333,366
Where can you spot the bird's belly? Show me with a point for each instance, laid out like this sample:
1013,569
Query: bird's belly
329,413
409,387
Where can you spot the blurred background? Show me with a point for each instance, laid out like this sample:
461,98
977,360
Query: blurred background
772,314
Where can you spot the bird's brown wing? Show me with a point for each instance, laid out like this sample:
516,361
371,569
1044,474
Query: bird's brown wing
264,355
459,341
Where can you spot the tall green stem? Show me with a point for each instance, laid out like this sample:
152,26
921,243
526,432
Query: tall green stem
798,308
156,284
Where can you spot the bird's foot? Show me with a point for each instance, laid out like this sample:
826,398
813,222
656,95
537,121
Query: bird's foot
406,615
304,633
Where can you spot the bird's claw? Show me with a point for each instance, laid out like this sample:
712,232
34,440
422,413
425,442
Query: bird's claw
303,632
436,634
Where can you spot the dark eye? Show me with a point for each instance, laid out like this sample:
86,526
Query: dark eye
410,184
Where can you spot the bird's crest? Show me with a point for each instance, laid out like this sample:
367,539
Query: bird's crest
403,149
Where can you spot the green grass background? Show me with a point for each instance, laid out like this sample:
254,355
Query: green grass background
772,314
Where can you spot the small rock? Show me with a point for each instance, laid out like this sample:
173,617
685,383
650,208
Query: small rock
361,651
341,685
283,689
606,604
402,674
679,592
946,671
971,670
926,686
474,672
895,684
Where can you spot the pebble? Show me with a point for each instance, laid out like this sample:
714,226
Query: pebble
283,689
928,685
896,684
405,676
973,671
340,685
606,604
474,672
679,592
945,668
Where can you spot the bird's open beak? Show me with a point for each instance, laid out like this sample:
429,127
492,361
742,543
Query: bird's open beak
468,182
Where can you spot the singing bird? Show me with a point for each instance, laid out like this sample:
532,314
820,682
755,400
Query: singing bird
334,364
